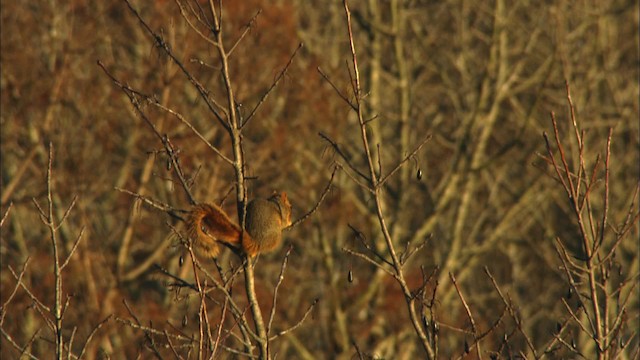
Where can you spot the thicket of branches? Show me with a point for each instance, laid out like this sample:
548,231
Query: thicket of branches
465,178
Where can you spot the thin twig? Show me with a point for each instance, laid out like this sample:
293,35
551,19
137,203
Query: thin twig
399,165
26,289
57,274
273,85
336,147
512,312
285,260
363,240
170,210
170,343
469,315
605,210
409,252
370,260
153,101
67,212
6,214
298,324
217,340
204,94
93,332
320,200
364,186
23,350
73,249
571,189
5,305
136,325
193,26
163,138
245,32
340,94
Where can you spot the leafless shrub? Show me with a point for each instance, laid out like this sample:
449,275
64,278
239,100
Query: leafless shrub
489,247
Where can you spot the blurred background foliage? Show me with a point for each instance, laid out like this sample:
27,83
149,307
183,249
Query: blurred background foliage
481,77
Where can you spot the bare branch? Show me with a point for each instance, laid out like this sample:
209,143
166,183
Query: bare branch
247,27
192,25
275,291
67,212
363,240
370,261
93,332
469,315
340,94
163,138
3,309
412,154
22,350
298,324
73,249
512,312
179,116
6,214
170,210
336,147
273,85
204,94
317,205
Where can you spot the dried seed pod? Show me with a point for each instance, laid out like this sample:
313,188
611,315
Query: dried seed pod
619,269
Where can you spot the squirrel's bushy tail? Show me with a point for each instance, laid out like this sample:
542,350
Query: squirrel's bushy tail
208,226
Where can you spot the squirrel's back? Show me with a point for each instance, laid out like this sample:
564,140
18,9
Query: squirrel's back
265,221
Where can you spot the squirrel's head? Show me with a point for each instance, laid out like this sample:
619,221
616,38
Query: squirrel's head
284,206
